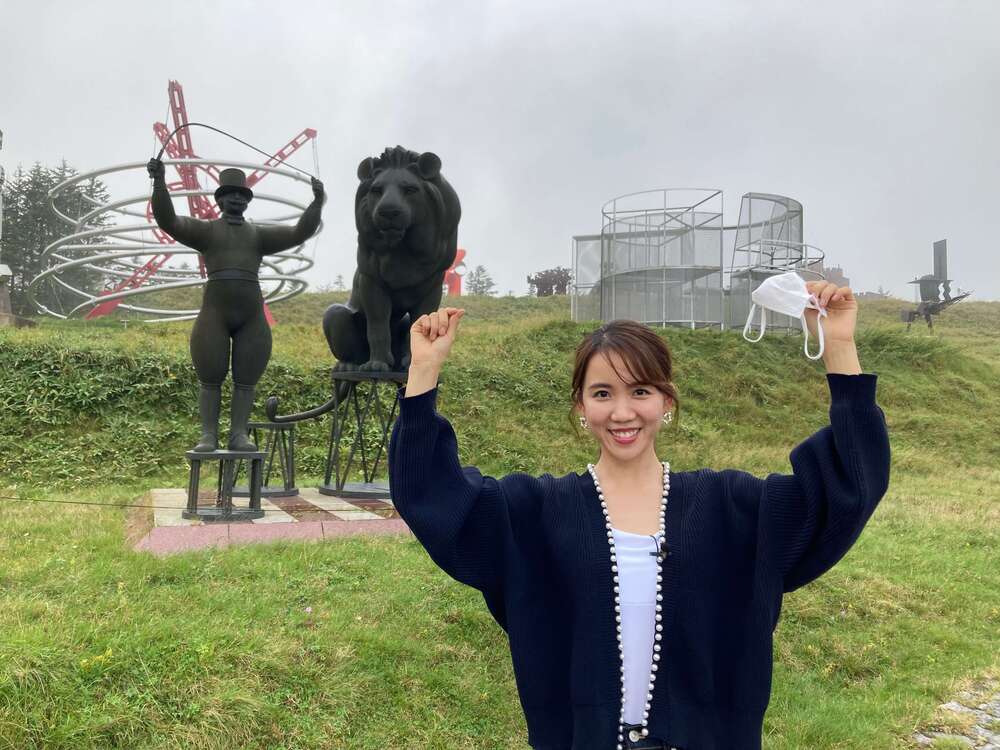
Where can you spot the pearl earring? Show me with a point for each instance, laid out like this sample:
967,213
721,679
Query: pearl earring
668,417
583,423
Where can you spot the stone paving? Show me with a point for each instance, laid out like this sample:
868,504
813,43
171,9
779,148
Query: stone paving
973,719
304,517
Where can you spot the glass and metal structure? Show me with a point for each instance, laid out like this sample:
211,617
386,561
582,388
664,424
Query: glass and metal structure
660,258
768,241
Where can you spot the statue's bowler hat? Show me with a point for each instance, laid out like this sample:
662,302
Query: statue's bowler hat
233,180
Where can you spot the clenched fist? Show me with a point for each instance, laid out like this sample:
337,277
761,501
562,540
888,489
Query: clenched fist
431,337
841,311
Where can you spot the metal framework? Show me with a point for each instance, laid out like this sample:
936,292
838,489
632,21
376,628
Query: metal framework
369,406
222,510
768,241
659,258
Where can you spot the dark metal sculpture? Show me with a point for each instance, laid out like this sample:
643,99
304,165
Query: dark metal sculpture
935,290
365,405
223,510
231,318
927,309
407,217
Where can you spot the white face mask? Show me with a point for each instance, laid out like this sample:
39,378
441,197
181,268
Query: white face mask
786,293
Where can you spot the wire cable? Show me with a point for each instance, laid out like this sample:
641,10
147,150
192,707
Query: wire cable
228,135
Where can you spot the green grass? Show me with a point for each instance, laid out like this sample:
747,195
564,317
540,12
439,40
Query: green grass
105,648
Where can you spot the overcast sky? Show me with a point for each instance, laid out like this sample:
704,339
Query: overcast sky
880,117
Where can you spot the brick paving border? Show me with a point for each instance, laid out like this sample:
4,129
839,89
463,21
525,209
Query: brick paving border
978,709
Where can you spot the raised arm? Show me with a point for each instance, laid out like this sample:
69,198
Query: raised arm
803,523
810,519
187,231
466,521
276,239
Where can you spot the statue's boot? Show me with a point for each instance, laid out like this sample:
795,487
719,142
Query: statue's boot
239,432
209,400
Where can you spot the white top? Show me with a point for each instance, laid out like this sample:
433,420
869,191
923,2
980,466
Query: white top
637,583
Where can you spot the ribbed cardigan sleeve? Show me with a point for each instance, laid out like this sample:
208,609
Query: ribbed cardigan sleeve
465,520
808,520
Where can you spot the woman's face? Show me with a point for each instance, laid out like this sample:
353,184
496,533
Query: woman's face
624,417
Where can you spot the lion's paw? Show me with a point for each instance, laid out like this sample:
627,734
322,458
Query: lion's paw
375,365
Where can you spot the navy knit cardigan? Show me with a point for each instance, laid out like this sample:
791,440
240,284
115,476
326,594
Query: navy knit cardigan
536,547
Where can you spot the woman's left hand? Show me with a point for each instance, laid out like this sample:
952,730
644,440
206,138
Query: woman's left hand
841,311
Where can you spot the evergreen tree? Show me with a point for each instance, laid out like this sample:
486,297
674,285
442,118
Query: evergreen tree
479,281
338,283
30,226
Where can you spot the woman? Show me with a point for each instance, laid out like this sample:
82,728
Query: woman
640,602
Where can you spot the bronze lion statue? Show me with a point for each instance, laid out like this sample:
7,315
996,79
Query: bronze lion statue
407,218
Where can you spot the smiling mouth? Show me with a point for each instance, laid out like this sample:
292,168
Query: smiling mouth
625,435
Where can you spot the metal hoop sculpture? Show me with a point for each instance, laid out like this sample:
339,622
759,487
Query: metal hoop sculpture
125,252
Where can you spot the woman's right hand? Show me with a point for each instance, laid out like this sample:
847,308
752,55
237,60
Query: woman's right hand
431,337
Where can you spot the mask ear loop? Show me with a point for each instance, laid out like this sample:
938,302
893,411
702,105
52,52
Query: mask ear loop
805,333
763,324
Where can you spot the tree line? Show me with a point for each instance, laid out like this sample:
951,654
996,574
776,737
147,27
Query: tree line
29,226
542,284
479,282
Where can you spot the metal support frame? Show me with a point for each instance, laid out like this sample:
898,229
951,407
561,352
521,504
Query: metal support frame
279,448
358,404
223,511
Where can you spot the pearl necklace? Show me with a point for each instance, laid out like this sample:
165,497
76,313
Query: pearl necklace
658,634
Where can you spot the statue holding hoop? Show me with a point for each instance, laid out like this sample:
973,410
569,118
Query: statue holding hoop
231,331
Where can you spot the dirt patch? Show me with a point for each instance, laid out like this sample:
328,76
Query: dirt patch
138,520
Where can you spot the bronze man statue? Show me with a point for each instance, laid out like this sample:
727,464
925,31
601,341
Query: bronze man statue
232,308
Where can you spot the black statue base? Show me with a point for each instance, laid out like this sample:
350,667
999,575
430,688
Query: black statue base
357,490
279,452
224,511
359,398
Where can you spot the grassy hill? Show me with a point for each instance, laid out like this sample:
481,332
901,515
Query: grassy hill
108,648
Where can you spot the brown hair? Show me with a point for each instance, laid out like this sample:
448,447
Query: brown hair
646,357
